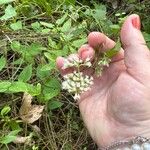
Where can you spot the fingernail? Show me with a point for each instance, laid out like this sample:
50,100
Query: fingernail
136,23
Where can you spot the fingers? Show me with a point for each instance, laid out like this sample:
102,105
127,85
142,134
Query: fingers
101,42
60,61
136,52
86,51
95,40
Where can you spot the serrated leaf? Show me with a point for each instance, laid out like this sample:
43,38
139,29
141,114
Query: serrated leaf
16,26
53,104
26,74
66,26
9,13
6,1
112,52
2,62
4,86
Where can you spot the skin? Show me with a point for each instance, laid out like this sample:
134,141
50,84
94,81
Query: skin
118,105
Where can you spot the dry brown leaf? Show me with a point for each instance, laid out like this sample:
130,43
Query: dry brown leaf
30,113
22,140
36,128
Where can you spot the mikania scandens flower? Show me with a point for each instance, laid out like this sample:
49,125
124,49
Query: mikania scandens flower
76,62
76,82
104,61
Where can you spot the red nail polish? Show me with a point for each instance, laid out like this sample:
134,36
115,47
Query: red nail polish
136,23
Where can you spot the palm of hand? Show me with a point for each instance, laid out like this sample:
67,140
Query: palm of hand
118,105
114,106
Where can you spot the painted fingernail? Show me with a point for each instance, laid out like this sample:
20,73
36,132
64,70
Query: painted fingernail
136,23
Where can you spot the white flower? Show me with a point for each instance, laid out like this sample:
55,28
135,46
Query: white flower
88,64
77,83
76,97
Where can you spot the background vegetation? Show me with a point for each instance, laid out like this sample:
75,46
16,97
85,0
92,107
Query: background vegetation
33,33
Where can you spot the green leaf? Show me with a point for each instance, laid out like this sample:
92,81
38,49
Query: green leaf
72,2
18,61
17,87
49,93
49,56
45,31
26,74
16,46
146,37
62,19
34,90
14,124
2,62
34,49
9,13
10,137
112,52
78,43
48,67
67,25
99,13
6,1
4,85
51,89
5,111
53,104
49,25
41,74
115,27
36,26
16,26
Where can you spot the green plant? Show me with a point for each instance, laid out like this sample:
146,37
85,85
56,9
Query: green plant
33,34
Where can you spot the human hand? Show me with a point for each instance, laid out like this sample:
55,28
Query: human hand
118,104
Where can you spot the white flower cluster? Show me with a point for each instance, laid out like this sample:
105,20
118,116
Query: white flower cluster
77,83
104,61
76,62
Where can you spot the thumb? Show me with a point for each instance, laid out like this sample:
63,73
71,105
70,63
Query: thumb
136,52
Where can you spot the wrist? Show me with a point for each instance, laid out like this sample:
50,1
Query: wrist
142,140
134,143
